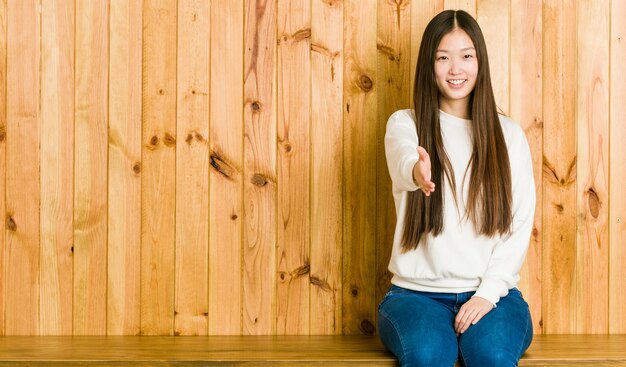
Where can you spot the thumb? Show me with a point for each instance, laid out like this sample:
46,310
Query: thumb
423,154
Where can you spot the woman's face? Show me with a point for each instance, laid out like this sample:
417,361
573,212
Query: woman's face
456,67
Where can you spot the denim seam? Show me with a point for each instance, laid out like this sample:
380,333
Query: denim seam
395,328
519,353
462,357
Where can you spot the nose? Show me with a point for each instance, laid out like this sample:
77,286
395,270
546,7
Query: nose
454,67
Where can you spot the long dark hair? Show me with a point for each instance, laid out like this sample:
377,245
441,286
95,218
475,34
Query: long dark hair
489,201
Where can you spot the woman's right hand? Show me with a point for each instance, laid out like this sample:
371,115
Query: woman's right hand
422,173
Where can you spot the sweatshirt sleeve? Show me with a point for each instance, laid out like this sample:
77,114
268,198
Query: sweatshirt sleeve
509,253
401,150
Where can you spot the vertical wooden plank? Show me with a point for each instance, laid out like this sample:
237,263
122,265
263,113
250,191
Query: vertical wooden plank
617,199
3,153
158,202
360,146
467,5
124,217
22,168
259,236
57,167
494,19
192,167
326,166
526,109
592,118
226,159
421,13
394,55
90,167
559,167
294,103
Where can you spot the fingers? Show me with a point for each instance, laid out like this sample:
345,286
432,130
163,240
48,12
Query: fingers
470,313
428,188
470,317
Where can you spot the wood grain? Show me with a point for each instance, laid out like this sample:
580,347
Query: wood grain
421,14
545,351
3,154
226,171
592,118
124,170
90,168
23,131
327,66
192,169
259,234
494,17
360,147
158,202
617,171
57,168
393,57
526,109
293,126
559,168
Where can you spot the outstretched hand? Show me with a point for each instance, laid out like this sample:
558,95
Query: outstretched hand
422,172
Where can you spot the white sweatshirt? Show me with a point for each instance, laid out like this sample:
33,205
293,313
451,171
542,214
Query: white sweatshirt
458,259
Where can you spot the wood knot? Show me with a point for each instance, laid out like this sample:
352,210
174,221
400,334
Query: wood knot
288,147
194,135
11,225
221,166
535,232
256,106
301,270
320,283
154,143
169,140
594,202
259,180
559,207
282,276
233,217
161,92
137,167
367,327
365,83
354,292
3,133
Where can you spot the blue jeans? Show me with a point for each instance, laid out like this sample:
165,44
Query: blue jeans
418,328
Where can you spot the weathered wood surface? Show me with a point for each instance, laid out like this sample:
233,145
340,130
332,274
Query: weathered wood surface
546,350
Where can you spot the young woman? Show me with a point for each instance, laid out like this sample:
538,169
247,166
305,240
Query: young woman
465,199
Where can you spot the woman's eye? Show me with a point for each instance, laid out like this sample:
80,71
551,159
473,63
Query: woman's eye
442,58
469,56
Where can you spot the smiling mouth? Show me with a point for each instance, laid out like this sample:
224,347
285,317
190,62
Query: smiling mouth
457,82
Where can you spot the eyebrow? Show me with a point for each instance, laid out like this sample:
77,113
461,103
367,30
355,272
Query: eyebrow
463,49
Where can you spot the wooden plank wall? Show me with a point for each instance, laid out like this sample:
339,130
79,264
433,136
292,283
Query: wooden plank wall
217,167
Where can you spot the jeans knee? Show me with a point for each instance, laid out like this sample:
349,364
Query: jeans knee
488,358
421,358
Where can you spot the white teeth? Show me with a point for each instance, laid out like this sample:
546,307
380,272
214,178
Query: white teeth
456,81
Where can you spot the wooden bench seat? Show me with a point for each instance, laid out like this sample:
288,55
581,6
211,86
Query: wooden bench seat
553,350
